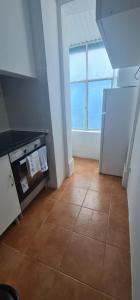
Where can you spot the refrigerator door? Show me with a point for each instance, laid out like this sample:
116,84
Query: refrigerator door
116,128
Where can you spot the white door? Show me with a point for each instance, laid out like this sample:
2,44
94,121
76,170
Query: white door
116,127
9,202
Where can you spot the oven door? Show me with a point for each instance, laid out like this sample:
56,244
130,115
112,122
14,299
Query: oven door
25,183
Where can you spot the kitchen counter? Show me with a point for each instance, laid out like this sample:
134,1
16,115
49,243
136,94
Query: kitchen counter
12,140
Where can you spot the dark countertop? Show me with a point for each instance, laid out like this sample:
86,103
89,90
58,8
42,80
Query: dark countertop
12,140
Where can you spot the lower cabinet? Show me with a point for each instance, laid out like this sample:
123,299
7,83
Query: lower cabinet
9,202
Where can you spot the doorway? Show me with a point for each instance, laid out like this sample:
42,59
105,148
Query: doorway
87,71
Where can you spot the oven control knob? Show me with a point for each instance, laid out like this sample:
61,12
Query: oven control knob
24,152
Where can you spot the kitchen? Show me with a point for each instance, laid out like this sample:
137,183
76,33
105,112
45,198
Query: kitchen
72,241
25,120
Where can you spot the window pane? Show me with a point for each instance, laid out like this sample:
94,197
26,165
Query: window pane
78,63
95,98
78,96
99,65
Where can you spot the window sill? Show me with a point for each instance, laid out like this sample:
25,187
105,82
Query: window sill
86,131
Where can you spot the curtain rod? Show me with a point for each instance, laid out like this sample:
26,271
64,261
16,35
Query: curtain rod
86,42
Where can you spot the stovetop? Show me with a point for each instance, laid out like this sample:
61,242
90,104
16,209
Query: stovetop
12,140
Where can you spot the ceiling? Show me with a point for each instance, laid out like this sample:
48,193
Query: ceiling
78,6
79,21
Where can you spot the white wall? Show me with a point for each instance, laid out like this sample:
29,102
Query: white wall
81,27
16,52
66,79
79,21
86,144
25,107
35,104
27,100
4,123
126,77
134,213
49,18
78,25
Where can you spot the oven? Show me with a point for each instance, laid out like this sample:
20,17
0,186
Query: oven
27,179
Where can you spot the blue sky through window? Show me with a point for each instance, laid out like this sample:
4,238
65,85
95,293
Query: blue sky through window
78,100
87,84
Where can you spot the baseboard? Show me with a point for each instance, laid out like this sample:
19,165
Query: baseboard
125,176
4,130
70,168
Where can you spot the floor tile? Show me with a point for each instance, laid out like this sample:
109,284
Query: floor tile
64,215
32,280
49,244
98,201
74,195
41,207
118,232
92,223
119,206
67,288
88,172
117,188
85,165
83,259
80,180
101,183
19,236
68,230
50,193
10,260
116,278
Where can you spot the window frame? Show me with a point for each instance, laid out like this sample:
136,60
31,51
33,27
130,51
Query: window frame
86,81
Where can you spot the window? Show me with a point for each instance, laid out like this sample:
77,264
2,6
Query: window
78,103
90,74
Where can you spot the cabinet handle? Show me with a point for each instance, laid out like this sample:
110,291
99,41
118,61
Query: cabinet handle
11,179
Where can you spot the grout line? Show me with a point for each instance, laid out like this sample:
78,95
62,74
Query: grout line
37,260
105,242
118,247
57,269
87,285
89,237
72,232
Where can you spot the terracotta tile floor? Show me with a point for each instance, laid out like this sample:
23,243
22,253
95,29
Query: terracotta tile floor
72,243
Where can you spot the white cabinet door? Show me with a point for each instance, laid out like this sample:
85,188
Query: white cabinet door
9,202
16,44
119,29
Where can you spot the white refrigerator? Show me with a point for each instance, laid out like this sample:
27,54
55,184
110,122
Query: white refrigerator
119,105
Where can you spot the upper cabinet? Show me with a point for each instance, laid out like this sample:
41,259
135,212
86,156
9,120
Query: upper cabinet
119,23
16,47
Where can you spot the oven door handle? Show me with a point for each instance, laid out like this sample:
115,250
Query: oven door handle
11,180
